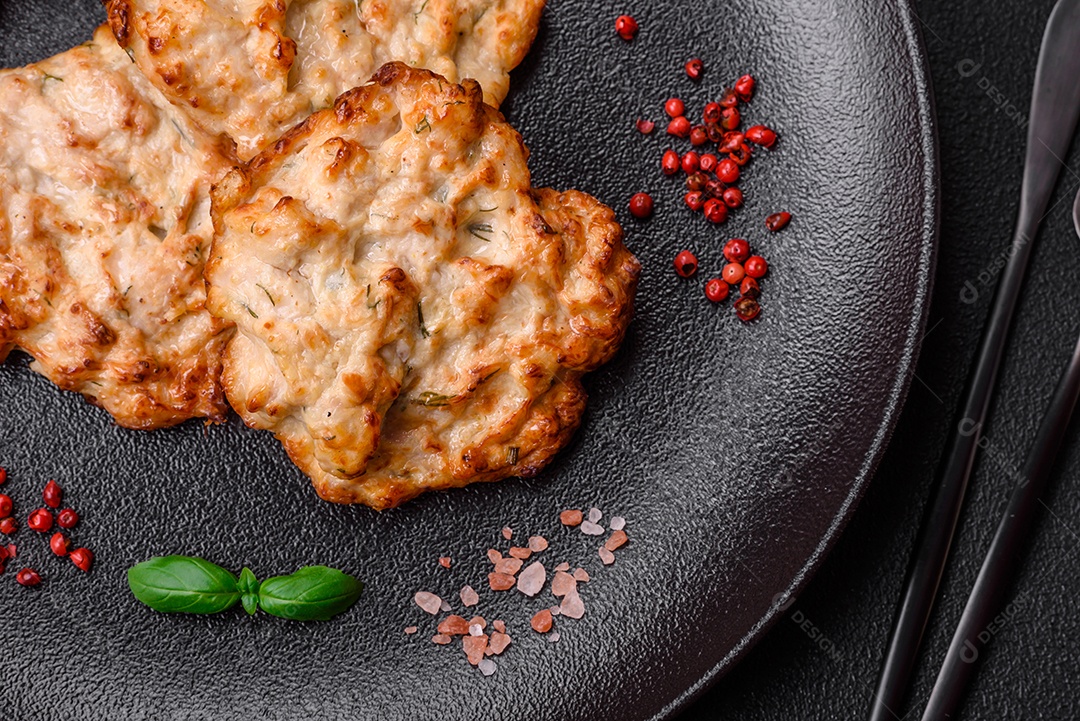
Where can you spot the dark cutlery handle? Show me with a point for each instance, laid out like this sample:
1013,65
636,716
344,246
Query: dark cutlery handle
999,566
1055,107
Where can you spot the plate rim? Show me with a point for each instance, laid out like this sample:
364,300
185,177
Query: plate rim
931,223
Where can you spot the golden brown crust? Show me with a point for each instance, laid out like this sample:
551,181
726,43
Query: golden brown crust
253,73
104,223
410,314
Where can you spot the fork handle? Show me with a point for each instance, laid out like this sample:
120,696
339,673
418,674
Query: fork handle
1003,558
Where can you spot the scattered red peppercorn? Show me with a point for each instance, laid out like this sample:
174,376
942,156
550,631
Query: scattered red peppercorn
749,288
699,136
67,518
641,205
679,127
694,200
778,221
744,88
707,162
711,114
626,27
40,520
756,267
690,162
727,171
694,68
8,525
3,555
6,506
82,558
741,155
733,198
60,544
28,577
685,263
733,273
52,494
729,99
731,141
3,476
736,250
730,118
12,549
713,132
674,107
714,188
715,211
761,135
670,162
716,290
645,126
747,308
696,181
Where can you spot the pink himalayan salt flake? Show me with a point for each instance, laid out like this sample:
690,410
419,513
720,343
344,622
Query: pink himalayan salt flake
440,638
474,648
487,667
453,626
411,630
572,606
554,610
428,601
476,630
522,553
537,544
616,540
500,581
498,643
541,621
444,561
564,566
592,529
553,636
531,580
499,626
580,574
595,515
562,584
469,597
494,556
508,566
617,523
507,532
606,556
570,518
444,606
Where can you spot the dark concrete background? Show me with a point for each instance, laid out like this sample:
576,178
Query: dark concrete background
822,660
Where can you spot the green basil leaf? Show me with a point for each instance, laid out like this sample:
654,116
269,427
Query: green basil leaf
249,591
314,593
182,584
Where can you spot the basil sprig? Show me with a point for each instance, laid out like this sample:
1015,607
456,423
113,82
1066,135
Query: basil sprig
183,584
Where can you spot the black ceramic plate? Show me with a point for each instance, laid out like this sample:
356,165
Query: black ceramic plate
736,451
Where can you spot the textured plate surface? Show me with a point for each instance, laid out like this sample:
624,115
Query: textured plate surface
736,452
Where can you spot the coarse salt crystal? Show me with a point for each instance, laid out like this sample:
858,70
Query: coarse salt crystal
541,621
476,630
616,540
509,566
562,584
507,532
617,523
570,518
580,574
500,581
589,528
478,621
595,515
444,561
531,580
428,601
411,630
487,667
498,643
537,544
572,606
606,556
554,610
519,552
453,626
444,605
499,626
564,566
553,636
494,556
469,597
440,638
474,648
